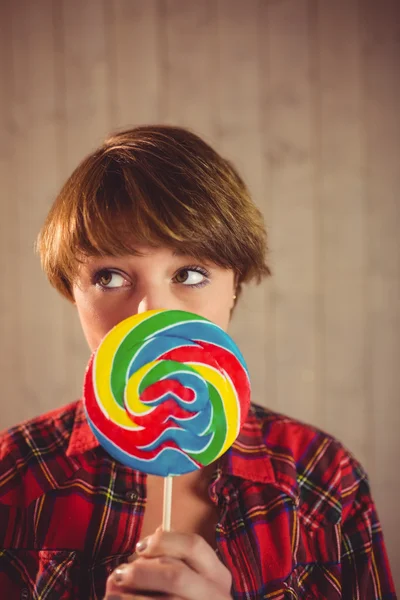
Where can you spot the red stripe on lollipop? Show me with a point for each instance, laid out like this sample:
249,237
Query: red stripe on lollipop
131,441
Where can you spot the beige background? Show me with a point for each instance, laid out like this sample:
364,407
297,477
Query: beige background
304,96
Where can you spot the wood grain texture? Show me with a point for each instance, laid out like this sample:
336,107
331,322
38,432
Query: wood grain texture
240,138
290,152
9,251
303,96
188,38
381,37
87,121
342,213
134,35
34,180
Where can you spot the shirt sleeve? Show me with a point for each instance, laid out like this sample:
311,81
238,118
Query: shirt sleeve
365,567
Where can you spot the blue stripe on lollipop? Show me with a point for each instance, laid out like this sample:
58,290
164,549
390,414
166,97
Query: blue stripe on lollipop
170,461
202,331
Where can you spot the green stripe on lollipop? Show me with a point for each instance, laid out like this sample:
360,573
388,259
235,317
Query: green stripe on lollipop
218,427
143,330
162,370
160,320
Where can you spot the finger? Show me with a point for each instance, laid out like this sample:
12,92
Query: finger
113,586
163,574
192,549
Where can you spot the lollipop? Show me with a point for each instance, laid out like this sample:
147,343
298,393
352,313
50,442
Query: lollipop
166,392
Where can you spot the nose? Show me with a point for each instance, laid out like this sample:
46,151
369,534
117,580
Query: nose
155,299
144,305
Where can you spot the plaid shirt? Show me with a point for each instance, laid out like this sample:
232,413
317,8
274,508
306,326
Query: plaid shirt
297,519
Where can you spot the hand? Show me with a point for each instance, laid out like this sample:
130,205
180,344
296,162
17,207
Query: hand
173,565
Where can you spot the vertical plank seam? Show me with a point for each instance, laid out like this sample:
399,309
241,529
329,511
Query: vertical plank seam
162,53
367,383
111,76
61,145
217,48
213,68
272,196
16,208
264,121
369,331
315,105
13,350
60,83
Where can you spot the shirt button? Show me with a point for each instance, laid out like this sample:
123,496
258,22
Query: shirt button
24,594
131,496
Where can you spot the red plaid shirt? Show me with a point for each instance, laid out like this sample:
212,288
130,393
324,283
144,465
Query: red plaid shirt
297,519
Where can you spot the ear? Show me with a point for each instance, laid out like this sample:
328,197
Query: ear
234,292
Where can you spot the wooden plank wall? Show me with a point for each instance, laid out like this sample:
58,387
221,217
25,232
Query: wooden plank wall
304,96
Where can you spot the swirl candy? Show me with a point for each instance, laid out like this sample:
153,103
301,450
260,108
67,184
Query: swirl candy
166,392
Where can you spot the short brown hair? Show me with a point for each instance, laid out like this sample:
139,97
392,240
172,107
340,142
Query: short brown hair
153,185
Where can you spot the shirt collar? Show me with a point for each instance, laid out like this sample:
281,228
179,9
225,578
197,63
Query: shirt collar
251,457
82,438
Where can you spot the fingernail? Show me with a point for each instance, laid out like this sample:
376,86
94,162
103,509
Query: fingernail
142,545
119,573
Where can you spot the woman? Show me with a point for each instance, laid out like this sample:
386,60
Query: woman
157,219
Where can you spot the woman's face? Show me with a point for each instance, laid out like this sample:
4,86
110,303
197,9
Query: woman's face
107,290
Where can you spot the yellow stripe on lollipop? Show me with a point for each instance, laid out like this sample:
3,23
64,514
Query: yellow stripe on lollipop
230,400
132,396
102,368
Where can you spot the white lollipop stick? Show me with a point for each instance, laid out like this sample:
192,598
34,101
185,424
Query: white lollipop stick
166,524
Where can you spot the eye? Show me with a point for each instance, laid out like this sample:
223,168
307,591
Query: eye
192,276
107,279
